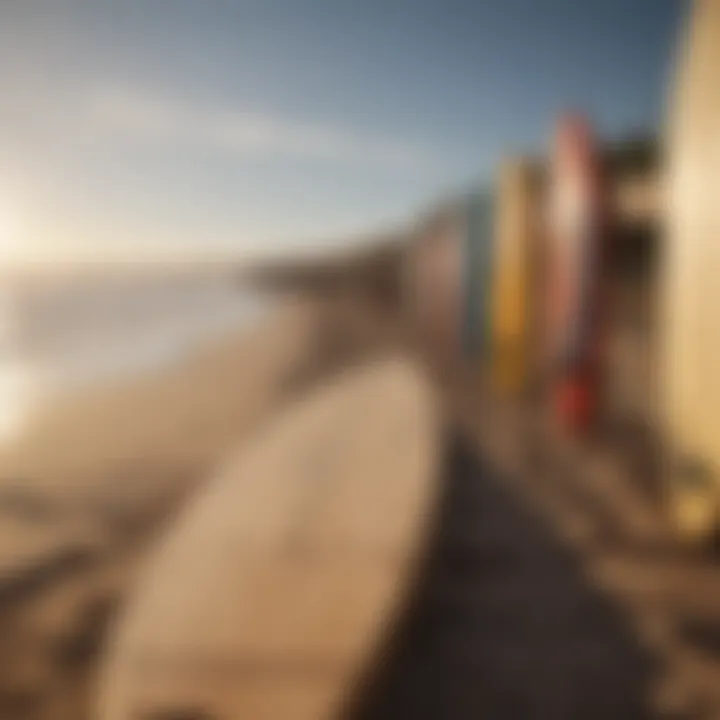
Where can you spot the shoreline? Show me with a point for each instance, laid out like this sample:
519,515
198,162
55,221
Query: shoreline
66,344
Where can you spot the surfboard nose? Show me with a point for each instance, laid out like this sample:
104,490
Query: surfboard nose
277,586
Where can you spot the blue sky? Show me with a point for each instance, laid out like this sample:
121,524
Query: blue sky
148,127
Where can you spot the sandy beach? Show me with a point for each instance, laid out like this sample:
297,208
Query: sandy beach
95,479
550,588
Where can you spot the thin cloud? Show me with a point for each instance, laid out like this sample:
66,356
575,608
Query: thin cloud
142,117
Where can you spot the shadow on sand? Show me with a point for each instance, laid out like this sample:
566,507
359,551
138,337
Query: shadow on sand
503,624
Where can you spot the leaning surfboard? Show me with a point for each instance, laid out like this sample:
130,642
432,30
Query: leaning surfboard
578,240
434,281
278,586
690,280
515,235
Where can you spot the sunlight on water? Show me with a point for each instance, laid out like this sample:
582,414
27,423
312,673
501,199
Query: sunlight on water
21,386
55,339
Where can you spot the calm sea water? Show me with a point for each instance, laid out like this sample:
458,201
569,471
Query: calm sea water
56,337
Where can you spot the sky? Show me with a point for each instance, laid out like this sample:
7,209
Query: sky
154,128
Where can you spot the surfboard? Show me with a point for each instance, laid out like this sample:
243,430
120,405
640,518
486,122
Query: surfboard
690,279
477,264
436,277
277,588
515,234
576,245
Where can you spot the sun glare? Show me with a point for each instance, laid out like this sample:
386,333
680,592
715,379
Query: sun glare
12,245
8,237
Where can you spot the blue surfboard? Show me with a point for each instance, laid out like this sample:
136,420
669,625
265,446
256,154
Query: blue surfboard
477,258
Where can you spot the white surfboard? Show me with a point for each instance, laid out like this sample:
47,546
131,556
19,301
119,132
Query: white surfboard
277,586
690,280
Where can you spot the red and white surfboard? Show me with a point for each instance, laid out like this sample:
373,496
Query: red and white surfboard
577,244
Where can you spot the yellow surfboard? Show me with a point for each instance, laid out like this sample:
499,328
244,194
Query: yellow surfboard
516,231
690,280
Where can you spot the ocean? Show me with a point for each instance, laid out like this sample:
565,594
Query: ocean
58,335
